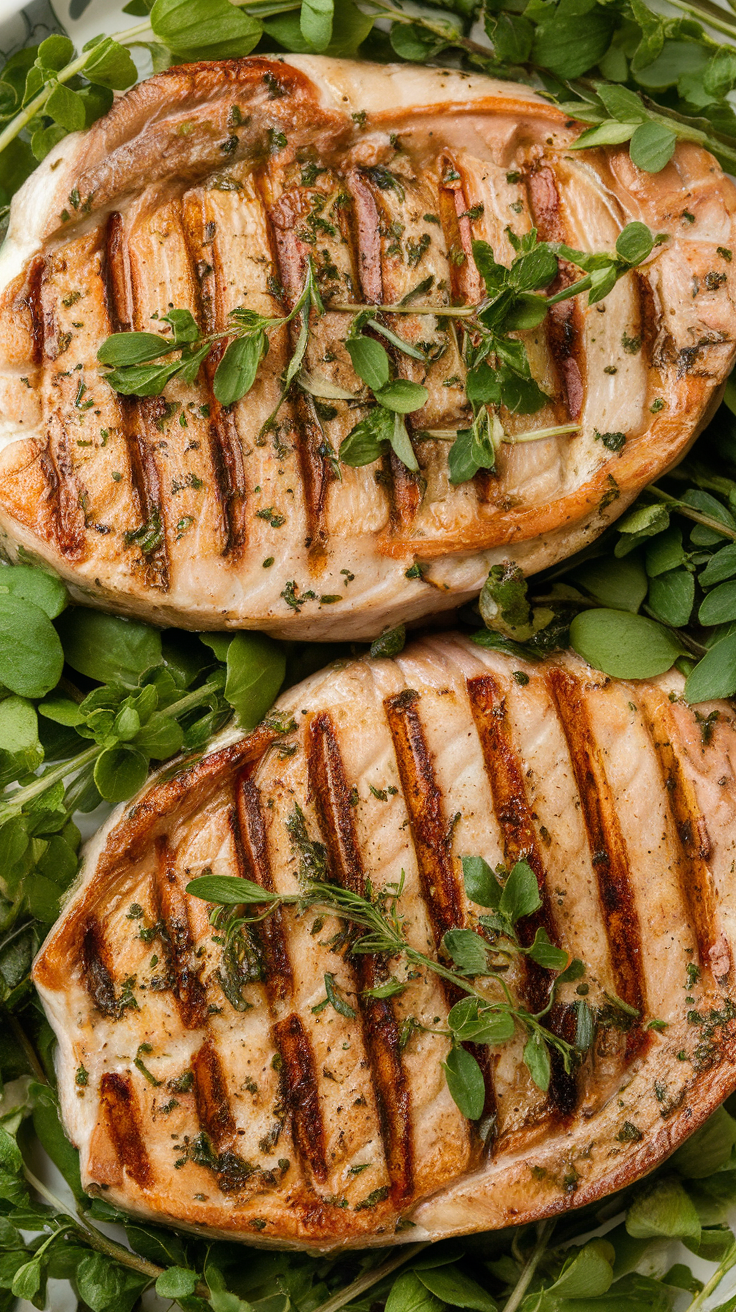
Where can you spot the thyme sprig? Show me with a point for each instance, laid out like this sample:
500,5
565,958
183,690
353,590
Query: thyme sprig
475,960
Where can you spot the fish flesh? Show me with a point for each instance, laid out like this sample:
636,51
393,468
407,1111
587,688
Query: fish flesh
207,188
207,1092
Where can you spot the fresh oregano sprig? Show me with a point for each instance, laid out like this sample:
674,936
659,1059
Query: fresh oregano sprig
488,1014
129,355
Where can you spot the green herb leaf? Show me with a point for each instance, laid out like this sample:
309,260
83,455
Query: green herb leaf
336,1001
520,896
401,444
545,953
119,773
110,65
664,1210
408,1294
228,890
107,647
176,1282
715,675
465,1082
453,1286
635,243
468,951
536,1060
588,1274
471,1021
236,372
315,19
402,396
132,348
370,361
207,29
623,645
481,885
365,442
45,590
31,657
256,668
652,146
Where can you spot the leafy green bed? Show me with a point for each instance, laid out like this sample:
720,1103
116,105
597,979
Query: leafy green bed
90,703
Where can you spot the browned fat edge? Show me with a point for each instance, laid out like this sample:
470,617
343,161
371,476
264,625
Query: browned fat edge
211,1099
225,449
696,885
251,847
290,259
96,972
510,803
328,786
563,325
429,826
119,1111
144,472
176,936
301,1094
607,847
404,487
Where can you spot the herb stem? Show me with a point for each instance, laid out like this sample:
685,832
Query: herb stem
715,1280
691,513
446,311
18,799
370,1278
544,1230
21,1037
443,31
707,13
16,125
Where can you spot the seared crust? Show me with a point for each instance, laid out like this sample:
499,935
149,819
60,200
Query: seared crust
290,1122
186,194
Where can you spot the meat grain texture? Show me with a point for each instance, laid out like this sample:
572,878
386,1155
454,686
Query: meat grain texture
278,1119
207,188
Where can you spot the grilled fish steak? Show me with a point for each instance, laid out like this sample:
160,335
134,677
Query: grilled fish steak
264,1113
207,188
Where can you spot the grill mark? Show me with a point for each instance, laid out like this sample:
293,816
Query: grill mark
290,256
211,1099
696,884
68,493
171,906
98,979
249,833
563,325
607,847
424,805
301,1094
328,785
119,1111
226,451
144,473
650,319
30,299
510,803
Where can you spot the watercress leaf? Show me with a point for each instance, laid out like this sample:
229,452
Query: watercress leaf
460,462
402,396
715,675
27,1279
536,1060
415,43
520,394
619,584
468,951
474,1021
545,953
465,1082
190,362
512,36
160,738
55,52
570,44
228,890
106,1286
107,647
65,107
453,1286
256,667
110,65
609,133
706,1151
623,645
176,1282
44,139
652,146
635,243
408,1294
31,658
494,275
236,372
315,20
722,565
520,896
45,590
401,444
534,270
119,773
211,29
588,1274
526,311
666,552
672,596
475,448
602,281
664,1210
18,725
621,103
370,361
387,990
719,607
132,348
481,885
48,1127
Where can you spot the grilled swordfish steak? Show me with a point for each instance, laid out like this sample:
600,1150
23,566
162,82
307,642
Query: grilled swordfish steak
268,1113
208,188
